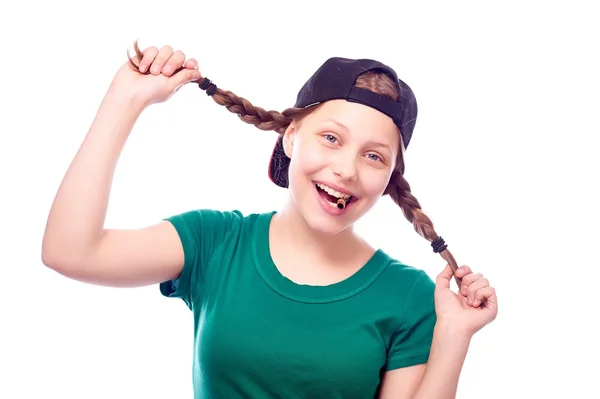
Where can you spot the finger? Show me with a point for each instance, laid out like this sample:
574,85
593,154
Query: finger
184,76
149,55
474,287
468,280
443,279
173,63
161,58
486,294
463,271
192,63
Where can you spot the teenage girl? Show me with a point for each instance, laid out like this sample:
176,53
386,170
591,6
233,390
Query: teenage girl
293,303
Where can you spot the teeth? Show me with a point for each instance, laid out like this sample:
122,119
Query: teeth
332,204
333,192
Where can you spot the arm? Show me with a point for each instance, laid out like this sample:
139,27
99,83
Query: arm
436,380
448,352
459,317
75,242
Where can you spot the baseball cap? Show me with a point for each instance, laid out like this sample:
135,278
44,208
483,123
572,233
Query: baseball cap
335,80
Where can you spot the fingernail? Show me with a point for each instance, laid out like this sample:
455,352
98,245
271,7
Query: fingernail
167,69
156,69
196,75
469,301
143,68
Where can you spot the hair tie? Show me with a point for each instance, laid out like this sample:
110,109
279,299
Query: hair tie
207,85
438,245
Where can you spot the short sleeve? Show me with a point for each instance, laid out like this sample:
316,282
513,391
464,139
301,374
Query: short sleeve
411,343
201,233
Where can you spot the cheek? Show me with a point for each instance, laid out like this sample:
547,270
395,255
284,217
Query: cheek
374,183
307,160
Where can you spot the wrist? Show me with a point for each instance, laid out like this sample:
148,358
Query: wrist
126,97
452,330
124,103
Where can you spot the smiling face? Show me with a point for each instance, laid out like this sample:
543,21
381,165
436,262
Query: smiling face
340,149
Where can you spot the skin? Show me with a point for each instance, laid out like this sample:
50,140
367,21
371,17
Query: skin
77,245
355,147
335,145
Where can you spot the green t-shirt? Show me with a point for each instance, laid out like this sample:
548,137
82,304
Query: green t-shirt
257,334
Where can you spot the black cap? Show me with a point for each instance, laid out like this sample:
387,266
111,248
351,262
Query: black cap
335,79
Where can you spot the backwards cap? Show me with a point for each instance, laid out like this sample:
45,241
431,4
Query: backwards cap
334,80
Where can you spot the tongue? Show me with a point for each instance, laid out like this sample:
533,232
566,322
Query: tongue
326,196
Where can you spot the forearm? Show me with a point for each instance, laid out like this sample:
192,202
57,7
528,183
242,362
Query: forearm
448,352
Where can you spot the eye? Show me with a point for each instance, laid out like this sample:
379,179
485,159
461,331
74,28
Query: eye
374,157
331,138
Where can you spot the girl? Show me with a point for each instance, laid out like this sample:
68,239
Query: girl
287,304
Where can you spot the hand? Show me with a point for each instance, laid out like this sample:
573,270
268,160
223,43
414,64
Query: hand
160,74
472,308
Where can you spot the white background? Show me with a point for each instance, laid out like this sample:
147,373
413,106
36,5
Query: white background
504,160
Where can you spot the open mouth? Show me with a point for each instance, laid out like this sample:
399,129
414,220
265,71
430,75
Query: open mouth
334,198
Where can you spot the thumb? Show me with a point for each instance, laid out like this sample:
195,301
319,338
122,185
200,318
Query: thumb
184,76
443,279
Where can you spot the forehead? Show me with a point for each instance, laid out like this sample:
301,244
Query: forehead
357,121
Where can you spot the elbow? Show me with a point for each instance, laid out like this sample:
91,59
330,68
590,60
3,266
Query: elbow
51,257
64,264
50,260
60,258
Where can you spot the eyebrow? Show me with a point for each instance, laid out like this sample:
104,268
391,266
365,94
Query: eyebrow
378,144
370,142
339,124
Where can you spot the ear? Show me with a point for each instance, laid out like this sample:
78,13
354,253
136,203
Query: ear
288,139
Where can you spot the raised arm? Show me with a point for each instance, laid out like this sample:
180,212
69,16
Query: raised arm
75,242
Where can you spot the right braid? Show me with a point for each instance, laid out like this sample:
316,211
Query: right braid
257,116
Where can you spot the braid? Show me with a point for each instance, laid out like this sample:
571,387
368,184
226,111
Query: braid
399,191
259,117
398,188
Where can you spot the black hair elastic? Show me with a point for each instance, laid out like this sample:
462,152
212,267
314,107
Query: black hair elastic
439,245
209,86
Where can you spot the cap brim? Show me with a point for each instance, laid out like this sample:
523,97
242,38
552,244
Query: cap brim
279,164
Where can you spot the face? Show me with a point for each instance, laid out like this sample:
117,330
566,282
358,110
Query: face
342,149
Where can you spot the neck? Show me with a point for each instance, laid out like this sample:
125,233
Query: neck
290,229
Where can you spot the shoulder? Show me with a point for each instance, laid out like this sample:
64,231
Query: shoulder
205,231
207,216
405,292
207,236
203,219
409,298
406,280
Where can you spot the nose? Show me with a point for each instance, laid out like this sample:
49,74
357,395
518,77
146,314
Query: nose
345,168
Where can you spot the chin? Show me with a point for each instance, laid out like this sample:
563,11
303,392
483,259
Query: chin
324,225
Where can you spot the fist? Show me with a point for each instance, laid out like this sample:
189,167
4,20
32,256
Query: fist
154,75
475,304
